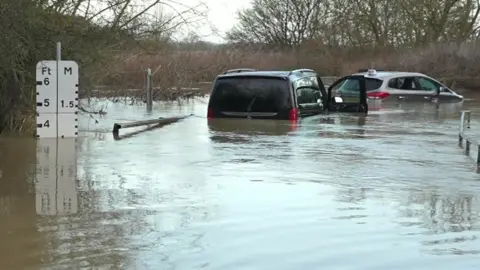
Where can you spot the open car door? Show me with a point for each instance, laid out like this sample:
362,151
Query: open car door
356,99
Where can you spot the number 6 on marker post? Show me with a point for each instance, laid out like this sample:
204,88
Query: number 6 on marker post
46,76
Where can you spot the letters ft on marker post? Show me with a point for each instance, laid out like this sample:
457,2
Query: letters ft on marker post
57,99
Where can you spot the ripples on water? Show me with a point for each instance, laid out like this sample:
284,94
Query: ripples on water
390,191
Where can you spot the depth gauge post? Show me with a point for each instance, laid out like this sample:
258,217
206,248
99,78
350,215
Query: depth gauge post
57,130
57,97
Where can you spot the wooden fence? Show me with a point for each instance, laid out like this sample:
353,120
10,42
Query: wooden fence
469,139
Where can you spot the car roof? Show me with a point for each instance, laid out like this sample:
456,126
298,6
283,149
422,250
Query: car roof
277,74
389,74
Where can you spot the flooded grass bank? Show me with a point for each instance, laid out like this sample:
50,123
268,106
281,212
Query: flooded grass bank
158,94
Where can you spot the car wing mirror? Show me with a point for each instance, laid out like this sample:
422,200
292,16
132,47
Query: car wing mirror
439,90
330,89
338,99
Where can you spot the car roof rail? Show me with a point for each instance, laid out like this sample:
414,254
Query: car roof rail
238,70
367,69
302,70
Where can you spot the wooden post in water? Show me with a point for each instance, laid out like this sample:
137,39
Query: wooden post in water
465,116
478,156
468,119
467,146
461,128
149,98
465,123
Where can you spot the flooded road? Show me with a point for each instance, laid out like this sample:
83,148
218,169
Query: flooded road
389,191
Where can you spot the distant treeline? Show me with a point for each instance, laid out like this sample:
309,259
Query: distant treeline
335,37
357,23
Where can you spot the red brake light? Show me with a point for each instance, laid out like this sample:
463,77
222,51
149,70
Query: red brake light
210,113
293,114
378,95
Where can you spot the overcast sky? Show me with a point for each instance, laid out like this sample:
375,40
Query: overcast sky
222,15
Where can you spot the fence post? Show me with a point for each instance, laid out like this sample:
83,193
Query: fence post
461,128
462,121
468,119
149,90
478,156
467,146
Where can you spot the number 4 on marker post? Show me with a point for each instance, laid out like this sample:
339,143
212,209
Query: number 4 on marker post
47,125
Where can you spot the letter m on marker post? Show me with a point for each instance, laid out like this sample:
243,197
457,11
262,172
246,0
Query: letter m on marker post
67,69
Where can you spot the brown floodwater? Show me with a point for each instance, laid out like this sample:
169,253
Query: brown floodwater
388,191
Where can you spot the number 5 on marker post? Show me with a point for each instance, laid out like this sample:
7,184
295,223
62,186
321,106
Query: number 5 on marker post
46,76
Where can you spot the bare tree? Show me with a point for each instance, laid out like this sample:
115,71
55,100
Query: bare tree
358,23
92,33
282,23
400,23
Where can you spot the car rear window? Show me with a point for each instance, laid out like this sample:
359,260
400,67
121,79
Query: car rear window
353,85
250,94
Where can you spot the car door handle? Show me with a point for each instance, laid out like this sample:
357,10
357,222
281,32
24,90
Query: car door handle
401,97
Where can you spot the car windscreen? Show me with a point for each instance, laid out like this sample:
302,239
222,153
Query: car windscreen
353,85
250,94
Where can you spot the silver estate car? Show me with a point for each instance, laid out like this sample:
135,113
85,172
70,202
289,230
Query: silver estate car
394,85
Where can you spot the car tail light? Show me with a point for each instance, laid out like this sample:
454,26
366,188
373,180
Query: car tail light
210,113
293,114
378,95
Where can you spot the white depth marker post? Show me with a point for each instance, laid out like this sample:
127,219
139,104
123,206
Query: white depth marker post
57,129
57,98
